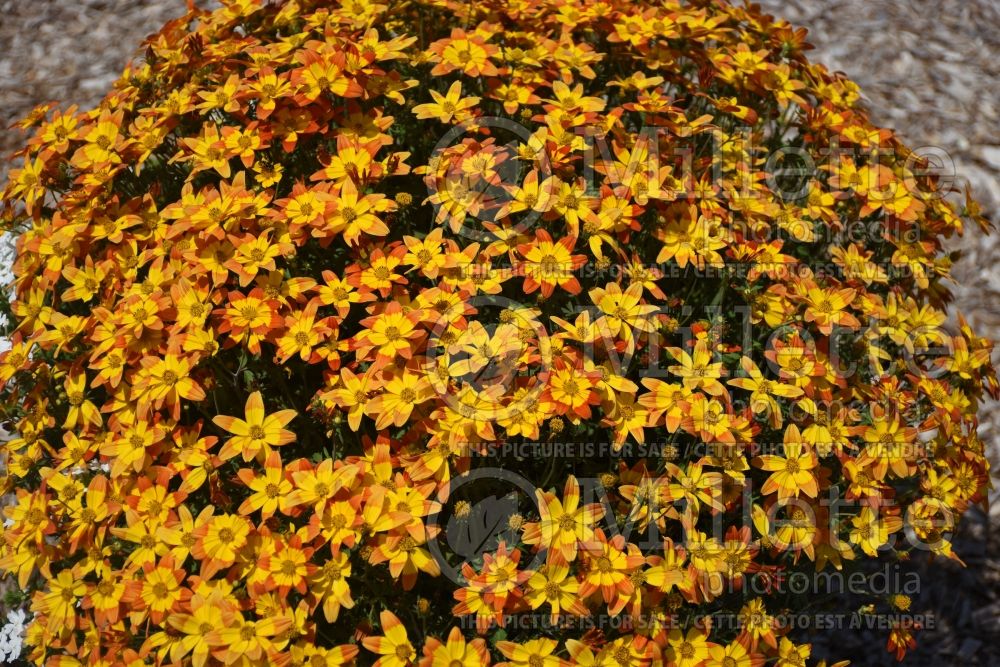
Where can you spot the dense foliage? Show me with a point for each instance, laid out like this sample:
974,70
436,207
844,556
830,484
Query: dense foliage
311,275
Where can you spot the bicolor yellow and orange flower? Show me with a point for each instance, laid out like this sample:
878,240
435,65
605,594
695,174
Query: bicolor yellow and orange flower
310,267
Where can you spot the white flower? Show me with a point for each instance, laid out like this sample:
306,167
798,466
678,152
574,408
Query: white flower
12,636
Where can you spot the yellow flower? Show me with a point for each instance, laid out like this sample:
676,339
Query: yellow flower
871,531
394,646
532,653
687,650
792,655
552,585
220,538
330,584
258,432
564,525
697,370
60,600
792,470
456,652
762,391
449,107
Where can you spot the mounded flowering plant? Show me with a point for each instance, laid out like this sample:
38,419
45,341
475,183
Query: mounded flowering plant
316,285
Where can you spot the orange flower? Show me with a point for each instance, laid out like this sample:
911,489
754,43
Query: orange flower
160,591
405,551
698,370
59,602
241,217
609,566
270,491
565,526
254,641
165,382
461,51
248,319
550,264
218,540
354,214
827,308
392,332
402,392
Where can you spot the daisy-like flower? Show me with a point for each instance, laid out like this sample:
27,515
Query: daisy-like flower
792,470
461,51
394,645
257,432
871,531
532,653
565,525
688,649
234,238
455,652
218,540
447,108
549,264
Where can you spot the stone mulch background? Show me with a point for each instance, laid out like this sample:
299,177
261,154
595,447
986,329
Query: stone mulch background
929,69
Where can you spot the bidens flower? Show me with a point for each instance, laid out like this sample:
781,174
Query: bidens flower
257,433
358,332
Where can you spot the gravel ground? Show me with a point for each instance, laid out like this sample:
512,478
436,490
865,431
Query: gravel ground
928,69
